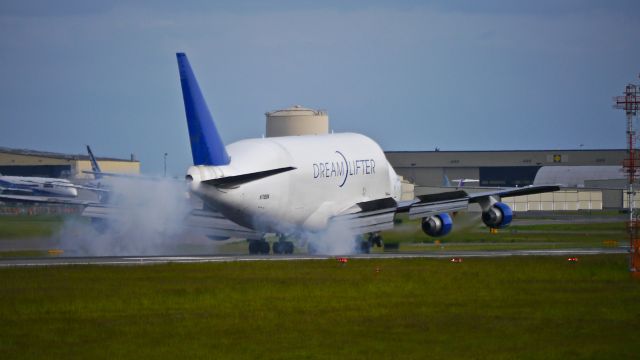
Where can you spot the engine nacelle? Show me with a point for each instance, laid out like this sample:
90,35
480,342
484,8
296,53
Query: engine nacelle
437,225
498,216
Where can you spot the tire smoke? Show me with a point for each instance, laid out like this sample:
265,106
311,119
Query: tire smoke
146,217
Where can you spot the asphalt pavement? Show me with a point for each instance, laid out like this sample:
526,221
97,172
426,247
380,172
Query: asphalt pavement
151,260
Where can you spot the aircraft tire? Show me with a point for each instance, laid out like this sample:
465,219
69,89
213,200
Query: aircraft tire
312,249
264,247
254,247
376,239
99,225
288,247
365,247
278,247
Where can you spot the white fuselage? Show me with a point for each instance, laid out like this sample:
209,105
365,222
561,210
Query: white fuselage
37,186
332,174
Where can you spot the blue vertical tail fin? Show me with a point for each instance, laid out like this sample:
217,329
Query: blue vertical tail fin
445,180
207,147
94,164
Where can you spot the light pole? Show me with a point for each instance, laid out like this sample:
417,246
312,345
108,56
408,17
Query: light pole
165,164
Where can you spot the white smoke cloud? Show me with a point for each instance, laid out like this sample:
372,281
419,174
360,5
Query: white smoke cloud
337,239
147,219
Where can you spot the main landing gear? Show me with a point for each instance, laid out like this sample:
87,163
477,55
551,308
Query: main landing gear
282,246
261,246
368,241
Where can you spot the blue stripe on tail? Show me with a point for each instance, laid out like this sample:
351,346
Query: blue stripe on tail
206,145
94,164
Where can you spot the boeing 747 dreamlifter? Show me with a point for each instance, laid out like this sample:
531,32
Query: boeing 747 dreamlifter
302,186
296,185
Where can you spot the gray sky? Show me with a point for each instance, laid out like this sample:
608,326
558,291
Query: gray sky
413,75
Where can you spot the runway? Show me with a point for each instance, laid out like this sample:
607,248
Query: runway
152,260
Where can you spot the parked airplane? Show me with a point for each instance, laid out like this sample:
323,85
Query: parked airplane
97,185
36,186
98,174
307,184
95,168
458,182
49,190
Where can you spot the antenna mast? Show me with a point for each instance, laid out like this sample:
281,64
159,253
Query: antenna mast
630,102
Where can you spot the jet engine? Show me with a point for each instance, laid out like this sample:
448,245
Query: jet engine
498,216
437,225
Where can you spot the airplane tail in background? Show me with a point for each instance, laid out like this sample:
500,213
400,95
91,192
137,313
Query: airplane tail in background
95,168
207,147
445,181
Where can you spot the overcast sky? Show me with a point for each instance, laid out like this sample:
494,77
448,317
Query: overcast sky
413,75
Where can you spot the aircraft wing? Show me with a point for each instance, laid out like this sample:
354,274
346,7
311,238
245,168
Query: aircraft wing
211,223
427,205
214,224
432,204
369,216
518,191
377,215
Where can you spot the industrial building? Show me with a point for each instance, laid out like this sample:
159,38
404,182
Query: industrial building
20,162
496,168
594,179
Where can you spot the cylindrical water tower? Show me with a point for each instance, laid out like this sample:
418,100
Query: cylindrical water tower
297,120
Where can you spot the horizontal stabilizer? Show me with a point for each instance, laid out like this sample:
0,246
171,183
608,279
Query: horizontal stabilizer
236,180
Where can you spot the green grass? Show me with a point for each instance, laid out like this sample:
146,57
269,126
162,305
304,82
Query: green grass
16,227
547,235
531,308
616,227
23,253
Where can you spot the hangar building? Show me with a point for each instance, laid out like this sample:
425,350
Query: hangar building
495,168
594,178
20,162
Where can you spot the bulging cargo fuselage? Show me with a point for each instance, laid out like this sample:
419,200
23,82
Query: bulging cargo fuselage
331,173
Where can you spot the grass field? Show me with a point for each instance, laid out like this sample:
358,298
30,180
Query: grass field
558,235
407,236
13,227
505,308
